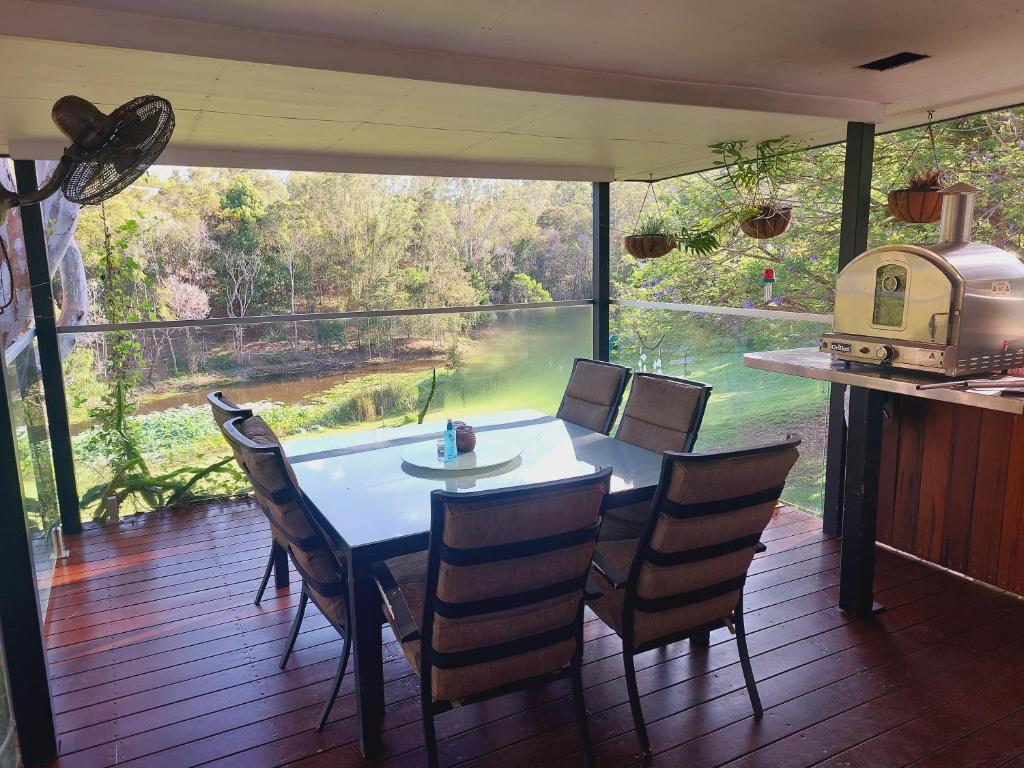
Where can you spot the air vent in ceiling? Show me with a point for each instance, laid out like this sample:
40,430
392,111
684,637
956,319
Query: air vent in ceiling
891,62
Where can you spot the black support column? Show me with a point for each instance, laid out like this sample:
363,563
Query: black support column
602,262
49,351
853,240
20,624
854,450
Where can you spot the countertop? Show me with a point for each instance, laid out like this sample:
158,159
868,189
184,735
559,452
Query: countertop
810,363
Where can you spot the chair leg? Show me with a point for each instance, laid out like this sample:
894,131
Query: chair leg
429,735
338,677
748,672
634,704
296,623
266,573
576,673
701,638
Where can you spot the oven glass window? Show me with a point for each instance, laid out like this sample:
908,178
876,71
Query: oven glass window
890,295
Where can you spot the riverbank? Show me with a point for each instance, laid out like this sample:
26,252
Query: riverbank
517,364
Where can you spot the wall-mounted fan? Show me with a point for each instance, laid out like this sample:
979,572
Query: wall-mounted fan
108,152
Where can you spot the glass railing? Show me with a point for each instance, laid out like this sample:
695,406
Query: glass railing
25,395
315,380
747,406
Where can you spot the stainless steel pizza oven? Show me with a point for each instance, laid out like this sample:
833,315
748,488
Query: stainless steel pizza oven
953,307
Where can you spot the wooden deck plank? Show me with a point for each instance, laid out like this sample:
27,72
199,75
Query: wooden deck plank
158,657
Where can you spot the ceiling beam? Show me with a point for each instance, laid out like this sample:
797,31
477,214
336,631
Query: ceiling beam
333,162
115,29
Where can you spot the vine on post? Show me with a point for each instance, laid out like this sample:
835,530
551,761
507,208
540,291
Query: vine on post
125,298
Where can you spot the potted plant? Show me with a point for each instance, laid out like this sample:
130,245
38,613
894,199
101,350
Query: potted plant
920,202
766,220
654,236
751,184
651,238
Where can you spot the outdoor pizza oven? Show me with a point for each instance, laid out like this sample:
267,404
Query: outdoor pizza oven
953,307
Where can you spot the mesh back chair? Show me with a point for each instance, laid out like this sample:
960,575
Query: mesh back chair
662,413
684,576
224,410
593,394
323,571
497,602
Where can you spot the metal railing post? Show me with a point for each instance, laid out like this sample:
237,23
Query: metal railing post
49,351
20,624
602,261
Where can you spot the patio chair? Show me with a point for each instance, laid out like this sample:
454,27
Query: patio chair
323,570
684,576
496,604
593,394
662,413
223,410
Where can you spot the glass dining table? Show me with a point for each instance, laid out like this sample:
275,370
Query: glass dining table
376,504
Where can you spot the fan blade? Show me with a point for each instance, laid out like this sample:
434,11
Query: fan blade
136,133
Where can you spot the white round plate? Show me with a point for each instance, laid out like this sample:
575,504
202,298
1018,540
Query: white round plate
489,452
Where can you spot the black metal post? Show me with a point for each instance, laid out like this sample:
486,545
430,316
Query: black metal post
49,351
20,624
602,262
853,239
860,513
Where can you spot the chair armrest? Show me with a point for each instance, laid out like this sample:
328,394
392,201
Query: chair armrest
607,569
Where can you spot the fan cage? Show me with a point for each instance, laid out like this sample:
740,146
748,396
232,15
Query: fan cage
142,128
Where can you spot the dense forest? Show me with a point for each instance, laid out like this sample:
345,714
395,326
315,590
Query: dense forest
187,244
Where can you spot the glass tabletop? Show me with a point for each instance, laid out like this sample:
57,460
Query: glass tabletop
365,491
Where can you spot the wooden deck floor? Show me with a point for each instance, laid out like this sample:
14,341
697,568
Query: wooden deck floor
159,658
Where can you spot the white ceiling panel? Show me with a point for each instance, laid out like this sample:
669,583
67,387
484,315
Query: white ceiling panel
588,89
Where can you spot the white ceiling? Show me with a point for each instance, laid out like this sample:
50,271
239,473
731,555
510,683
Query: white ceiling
577,89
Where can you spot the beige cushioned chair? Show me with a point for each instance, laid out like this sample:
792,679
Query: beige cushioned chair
684,576
223,410
662,413
497,602
593,394
323,570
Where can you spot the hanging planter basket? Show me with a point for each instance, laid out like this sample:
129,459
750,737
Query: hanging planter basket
915,206
650,246
920,202
771,222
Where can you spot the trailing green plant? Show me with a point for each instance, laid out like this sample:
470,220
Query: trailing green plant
751,181
430,396
653,224
700,240
124,298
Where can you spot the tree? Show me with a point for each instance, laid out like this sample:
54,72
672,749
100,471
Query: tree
64,258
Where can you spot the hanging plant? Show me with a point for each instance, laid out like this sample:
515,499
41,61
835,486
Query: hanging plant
766,221
750,183
654,235
651,238
920,202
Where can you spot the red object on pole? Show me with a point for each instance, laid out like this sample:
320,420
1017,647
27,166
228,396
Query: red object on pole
769,274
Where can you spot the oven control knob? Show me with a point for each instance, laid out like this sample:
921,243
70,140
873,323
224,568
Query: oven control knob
885,353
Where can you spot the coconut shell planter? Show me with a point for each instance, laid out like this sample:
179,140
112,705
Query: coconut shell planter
915,206
770,223
465,437
650,246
